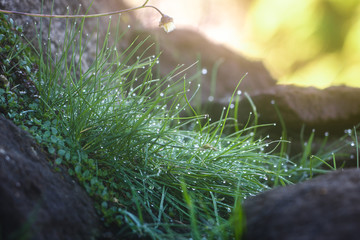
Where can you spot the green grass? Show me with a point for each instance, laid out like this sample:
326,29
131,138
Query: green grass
119,131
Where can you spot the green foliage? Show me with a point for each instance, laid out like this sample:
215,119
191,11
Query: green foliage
120,132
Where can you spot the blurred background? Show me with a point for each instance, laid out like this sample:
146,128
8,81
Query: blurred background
307,42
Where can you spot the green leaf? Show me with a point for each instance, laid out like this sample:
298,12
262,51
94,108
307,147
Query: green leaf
67,156
94,180
46,125
47,134
54,130
104,204
58,161
62,152
54,139
78,169
71,172
51,149
86,174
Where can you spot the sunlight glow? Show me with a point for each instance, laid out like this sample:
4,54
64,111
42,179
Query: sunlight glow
308,42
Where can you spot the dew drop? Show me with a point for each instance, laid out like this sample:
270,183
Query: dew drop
348,131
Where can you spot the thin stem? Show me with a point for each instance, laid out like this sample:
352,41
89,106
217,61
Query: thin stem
155,9
145,3
80,16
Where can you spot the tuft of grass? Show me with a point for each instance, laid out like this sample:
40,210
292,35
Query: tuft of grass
136,154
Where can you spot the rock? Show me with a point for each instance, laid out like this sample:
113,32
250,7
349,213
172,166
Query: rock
35,201
324,208
185,47
329,110
36,6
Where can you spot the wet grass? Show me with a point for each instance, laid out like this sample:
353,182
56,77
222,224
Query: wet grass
120,132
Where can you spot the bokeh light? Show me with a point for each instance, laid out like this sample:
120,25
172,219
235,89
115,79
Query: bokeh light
307,42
